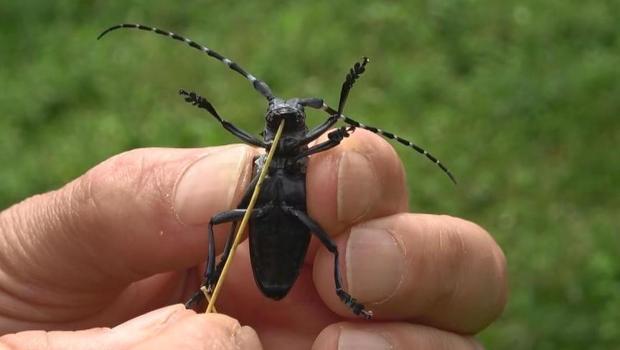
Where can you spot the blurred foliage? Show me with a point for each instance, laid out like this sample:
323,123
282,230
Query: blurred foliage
520,98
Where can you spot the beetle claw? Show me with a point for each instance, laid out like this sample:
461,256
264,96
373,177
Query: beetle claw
352,303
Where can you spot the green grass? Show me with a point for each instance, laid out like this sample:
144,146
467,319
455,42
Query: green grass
521,99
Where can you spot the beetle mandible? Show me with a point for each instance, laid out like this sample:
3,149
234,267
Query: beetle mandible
280,228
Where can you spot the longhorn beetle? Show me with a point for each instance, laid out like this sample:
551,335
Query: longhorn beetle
280,227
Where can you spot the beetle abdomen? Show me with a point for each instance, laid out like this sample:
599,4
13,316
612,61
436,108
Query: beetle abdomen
279,241
278,245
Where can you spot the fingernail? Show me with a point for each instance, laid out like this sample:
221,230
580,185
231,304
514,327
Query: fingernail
358,187
247,339
375,263
358,339
209,185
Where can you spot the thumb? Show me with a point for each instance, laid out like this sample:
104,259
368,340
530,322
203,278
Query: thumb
172,327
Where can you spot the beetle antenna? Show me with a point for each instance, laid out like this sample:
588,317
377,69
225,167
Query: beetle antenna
258,84
390,136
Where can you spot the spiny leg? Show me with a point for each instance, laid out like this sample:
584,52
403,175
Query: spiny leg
354,73
336,136
245,199
208,277
197,296
201,102
319,130
211,275
318,231
258,84
334,139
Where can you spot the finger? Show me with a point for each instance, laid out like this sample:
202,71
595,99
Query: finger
172,327
361,179
202,331
134,215
154,319
394,336
436,270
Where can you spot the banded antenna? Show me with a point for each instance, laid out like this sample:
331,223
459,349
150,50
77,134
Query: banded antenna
391,136
258,84
350,79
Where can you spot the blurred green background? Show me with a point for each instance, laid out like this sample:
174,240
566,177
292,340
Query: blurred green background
521,99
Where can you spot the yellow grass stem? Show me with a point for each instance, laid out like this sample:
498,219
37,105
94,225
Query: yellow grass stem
246,217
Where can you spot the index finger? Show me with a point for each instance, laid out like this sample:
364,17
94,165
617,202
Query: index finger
435,270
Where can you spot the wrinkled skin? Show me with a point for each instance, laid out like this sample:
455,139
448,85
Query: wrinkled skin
129,237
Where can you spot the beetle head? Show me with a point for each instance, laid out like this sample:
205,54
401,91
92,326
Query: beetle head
289,110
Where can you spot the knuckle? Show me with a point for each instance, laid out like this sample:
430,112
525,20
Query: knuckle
123,177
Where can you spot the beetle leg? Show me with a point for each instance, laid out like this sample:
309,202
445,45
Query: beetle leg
352,76
335,137
320,129
228,216
318,231
231,235
201,102
212,273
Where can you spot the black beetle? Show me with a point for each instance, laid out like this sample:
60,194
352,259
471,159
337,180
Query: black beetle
280,228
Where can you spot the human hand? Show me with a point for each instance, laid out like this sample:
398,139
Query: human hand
171,327
125,238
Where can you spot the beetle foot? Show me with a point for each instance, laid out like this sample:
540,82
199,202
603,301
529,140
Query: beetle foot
192,97
187,95
352,303
340,133
196,298
211,281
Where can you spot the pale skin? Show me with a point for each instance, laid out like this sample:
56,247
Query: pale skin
94,264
